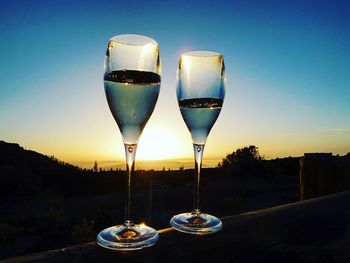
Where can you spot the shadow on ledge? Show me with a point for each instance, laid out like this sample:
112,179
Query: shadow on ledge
317,230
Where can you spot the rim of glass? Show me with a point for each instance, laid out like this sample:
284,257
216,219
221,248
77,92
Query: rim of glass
133,40
201,53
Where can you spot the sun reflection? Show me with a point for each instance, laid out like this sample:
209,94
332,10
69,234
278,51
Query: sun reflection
186,62
146,51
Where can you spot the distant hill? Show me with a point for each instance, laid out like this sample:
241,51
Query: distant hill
28,173
25,172
13,155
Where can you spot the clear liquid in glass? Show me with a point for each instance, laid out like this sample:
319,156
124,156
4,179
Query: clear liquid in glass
200,115
131,96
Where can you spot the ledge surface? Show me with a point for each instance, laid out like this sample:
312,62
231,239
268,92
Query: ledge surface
317,230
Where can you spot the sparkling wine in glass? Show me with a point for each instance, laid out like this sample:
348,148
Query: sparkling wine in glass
132,83
200,92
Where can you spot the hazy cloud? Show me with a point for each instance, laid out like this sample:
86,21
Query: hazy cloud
337,129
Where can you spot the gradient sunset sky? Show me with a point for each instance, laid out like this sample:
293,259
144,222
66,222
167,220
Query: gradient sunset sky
287,63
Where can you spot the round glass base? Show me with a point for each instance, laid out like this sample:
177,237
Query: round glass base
123,237
196,223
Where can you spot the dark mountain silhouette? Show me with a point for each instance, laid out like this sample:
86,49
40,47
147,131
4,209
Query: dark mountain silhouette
28,173
15,156
25,172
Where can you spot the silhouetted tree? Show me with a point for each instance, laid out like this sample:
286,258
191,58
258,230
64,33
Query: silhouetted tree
95,169
245,159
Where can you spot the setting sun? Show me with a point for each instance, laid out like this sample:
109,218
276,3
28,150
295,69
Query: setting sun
158,143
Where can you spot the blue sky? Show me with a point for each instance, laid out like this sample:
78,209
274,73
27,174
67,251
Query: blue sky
288,70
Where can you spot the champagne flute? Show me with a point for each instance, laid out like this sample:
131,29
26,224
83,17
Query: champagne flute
200,92
132,83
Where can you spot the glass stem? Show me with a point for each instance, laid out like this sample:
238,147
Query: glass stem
198,156
130,153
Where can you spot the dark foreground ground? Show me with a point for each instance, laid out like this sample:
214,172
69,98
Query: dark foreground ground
46,204
35,224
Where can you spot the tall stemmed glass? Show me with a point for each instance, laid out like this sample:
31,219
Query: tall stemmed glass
132,83
200,93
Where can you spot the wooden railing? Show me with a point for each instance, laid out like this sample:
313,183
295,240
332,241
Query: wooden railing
316,230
